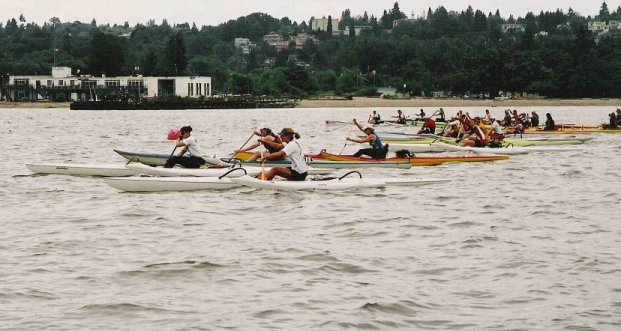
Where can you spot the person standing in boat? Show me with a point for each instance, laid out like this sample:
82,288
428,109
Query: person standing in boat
377,150
550,125
299,169
189,145
271,141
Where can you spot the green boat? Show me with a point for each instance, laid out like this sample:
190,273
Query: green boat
518,142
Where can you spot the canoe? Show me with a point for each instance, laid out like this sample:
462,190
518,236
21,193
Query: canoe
140,168
158,184
442,147
75,169
571,130
518,142
423,160
334,184
321,163
153,159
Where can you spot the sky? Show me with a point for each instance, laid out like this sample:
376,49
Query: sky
210,12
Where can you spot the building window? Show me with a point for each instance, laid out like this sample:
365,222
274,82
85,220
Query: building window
189,87
49,82
134,83
198,89
88,83
21,82
207,89
113,83
61,83
72,83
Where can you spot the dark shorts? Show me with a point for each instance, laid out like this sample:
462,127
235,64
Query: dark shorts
297,176
479,143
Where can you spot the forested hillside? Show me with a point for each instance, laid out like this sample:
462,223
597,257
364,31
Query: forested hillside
462,52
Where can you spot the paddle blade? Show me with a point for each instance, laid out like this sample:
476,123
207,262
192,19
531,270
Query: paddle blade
174,134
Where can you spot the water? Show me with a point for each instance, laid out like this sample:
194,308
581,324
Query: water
533,242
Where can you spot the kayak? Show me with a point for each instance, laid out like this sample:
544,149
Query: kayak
154,159
331,184
157,184
75,169
417,160
323,163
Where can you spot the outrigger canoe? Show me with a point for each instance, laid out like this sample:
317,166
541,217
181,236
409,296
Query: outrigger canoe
332,184
157,184
153,159
517,142
571,130
140,168
75,169
418,160
333,164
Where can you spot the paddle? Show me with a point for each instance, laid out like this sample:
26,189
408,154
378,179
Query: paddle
262,177
346,141
242,146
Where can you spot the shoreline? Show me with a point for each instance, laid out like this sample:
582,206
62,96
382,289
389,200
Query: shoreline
363,102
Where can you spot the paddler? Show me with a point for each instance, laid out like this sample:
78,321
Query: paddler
476,136
271,141
400,117
298,169
189,145
618,116
421,115
377,150
550,125
534,119
612,124
441,116
429,126
374,118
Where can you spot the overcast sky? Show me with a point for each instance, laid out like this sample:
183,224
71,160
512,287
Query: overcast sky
206,12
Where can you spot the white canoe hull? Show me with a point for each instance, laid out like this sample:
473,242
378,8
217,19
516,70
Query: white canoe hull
332,184
160,184
116,170
183,172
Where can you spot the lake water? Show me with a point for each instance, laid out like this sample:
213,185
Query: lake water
533,242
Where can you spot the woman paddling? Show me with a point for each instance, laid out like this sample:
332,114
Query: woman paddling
271,141
550,125
377,150
292,149
190,145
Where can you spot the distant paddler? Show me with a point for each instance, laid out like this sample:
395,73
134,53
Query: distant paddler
292,149
400,117
612,123
272,142
534,119
550,125
429,126
421,115
441,116
374,118
377,150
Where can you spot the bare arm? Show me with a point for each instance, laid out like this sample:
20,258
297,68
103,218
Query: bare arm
369,138
358,125
273,156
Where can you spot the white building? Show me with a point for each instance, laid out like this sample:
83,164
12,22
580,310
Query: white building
512,27
244,44
321,24
86,87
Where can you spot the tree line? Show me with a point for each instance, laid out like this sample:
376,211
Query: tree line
460,52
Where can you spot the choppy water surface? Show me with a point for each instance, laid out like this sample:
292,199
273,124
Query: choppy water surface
533,242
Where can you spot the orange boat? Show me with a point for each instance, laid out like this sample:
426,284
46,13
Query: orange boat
417,160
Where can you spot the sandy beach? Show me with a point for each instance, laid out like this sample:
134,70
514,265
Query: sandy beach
362,102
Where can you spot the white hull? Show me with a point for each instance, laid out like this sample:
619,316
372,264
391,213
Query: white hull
158,184
332,184
183,172
116,170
